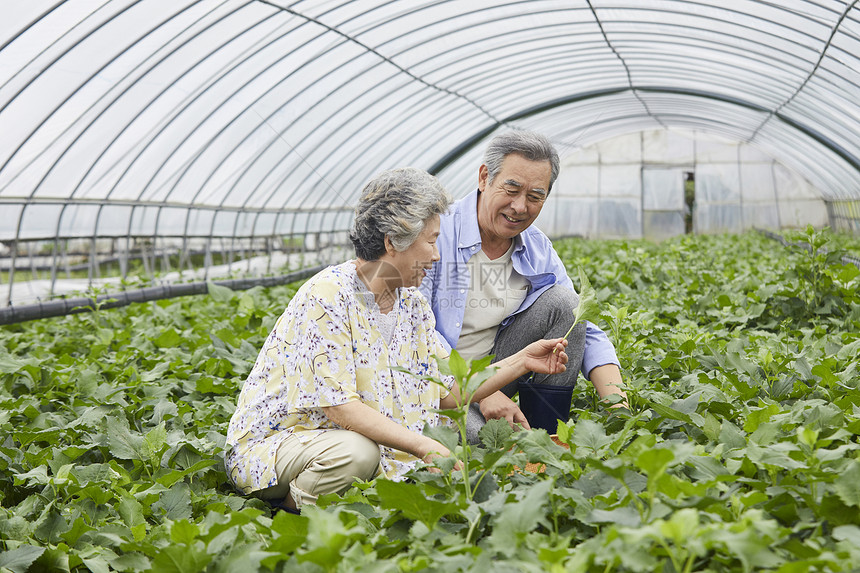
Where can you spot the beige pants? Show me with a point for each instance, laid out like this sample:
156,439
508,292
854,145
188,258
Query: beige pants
328,463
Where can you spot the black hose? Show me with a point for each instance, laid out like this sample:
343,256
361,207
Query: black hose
61,307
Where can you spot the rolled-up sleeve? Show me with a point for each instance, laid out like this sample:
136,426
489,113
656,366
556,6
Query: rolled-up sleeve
599,351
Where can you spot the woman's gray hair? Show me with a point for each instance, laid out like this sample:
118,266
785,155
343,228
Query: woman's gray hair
533,146
395,204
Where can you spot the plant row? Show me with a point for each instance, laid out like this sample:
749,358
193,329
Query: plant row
739,451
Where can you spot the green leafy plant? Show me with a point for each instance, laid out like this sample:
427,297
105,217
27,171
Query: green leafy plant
741,453
468,377
588,307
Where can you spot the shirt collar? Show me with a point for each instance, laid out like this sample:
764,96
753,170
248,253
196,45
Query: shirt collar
469,234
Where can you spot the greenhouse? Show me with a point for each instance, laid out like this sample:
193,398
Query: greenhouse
174,173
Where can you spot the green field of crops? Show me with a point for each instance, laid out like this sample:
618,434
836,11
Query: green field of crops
739,451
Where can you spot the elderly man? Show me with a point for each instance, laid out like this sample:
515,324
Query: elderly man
500,285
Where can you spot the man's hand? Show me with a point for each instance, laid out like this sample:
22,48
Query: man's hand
497,406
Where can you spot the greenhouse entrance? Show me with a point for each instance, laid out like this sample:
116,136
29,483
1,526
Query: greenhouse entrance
663,201
635,186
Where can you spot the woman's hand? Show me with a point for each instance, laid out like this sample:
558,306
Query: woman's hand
436,450
359,417
545,356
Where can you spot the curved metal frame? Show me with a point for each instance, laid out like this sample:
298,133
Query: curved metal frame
624,67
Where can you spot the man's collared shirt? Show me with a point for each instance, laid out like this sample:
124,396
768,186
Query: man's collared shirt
447,284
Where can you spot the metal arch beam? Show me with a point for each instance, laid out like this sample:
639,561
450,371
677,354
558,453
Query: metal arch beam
475,139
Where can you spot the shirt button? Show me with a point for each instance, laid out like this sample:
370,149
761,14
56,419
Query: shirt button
462,291
473,248
457,324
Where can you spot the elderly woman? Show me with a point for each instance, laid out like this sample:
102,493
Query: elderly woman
323,405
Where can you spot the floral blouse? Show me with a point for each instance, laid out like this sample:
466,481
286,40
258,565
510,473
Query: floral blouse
326,349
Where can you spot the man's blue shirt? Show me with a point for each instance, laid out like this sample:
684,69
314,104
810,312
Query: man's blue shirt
447,284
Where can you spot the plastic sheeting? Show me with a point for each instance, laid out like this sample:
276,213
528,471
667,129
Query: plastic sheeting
633,186
254,119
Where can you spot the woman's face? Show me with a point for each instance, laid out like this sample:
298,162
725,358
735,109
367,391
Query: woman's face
413,263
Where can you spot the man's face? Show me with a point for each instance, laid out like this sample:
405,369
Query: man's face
513,200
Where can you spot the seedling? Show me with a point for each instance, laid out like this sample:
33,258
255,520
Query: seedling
588,308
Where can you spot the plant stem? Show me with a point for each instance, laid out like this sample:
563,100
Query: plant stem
672,556
472,527
479,480
568,333
464,443
688,567
464,462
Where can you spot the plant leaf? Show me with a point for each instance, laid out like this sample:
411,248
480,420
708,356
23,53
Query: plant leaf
20,559
495,433
590,434
180,559
123,444
218,292
176,502
588,307
409,499
515,520
459,368
847,485
443,434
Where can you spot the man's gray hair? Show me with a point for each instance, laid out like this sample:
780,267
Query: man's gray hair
533,146
395,204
